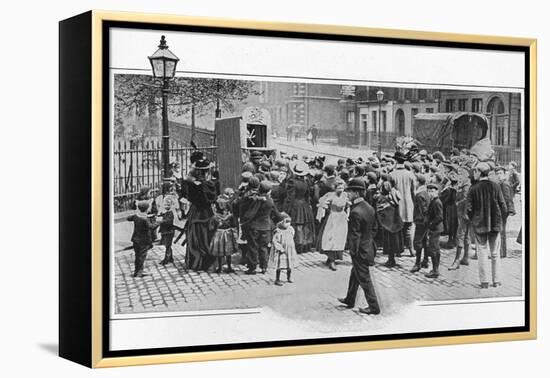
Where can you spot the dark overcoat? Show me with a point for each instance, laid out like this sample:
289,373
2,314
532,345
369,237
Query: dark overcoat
362,228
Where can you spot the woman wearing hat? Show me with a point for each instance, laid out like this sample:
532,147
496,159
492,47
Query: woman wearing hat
298,206
201,195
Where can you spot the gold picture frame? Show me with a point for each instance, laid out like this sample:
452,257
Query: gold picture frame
91,329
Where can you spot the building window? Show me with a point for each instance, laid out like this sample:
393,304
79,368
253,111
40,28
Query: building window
364,121
462,104
422,94
408,93
383,120
374,121
429,110
518,141
476,105
351,117
500,136
449,106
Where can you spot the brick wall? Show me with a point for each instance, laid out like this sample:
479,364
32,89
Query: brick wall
182,133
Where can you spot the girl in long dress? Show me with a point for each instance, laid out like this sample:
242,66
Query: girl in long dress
224,242
332,213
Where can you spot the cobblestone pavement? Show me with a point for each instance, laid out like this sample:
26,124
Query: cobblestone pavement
313,295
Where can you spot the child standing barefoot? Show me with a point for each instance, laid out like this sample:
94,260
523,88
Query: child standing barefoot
142,237
283,252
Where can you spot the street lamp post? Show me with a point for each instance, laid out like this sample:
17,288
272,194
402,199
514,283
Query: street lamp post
163,63
380,98
218,113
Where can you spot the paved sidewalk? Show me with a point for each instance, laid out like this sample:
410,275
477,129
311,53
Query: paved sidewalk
331,150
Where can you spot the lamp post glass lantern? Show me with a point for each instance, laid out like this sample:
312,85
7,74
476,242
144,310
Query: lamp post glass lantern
163,63
380,98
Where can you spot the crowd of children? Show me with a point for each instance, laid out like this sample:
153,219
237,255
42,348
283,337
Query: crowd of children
286,205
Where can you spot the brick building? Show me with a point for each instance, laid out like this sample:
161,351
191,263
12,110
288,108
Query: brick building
397,110
303,104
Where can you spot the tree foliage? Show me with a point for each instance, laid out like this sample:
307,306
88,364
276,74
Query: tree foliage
142,94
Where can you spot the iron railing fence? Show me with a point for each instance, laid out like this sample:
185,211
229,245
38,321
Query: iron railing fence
138,163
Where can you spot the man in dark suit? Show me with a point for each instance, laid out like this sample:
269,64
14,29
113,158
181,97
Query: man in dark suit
362,227
485,207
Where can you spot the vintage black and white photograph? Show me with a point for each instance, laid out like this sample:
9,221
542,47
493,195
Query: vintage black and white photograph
326,198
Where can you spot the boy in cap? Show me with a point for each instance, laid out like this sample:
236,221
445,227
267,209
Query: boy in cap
513,176
463,229
256,212
421,203
434,223
142,237
450,219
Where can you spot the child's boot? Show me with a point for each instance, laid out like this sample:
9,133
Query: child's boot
288,272
278,278
229,267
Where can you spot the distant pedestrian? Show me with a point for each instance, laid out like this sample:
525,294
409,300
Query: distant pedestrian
283,252
309,135
314,134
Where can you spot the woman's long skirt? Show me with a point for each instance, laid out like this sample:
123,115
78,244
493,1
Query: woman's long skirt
199,237
304,225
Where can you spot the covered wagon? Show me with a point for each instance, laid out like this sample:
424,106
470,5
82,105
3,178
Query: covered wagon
445,131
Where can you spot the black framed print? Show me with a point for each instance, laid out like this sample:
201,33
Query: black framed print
234,189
